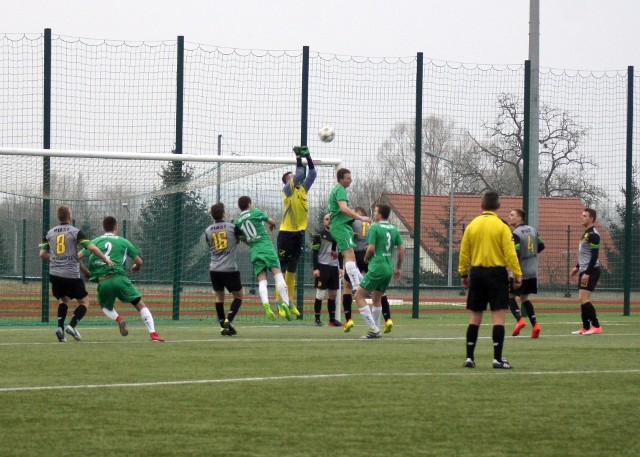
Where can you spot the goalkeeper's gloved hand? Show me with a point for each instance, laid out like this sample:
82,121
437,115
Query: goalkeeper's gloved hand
301,151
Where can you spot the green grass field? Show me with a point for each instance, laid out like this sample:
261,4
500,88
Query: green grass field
296,390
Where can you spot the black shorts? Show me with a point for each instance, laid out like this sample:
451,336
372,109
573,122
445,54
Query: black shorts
360,263
329,278
290,244
528,287
67,287
594,277
488,285
225,279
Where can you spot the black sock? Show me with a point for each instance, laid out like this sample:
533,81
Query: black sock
310,163
386,311
233,310
515,309
62,314
584,314
346,304
317,308
78,314
331,304
472,338
528,307
591,314
220,313
498,341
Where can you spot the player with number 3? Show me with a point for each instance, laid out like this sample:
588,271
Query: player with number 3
381,239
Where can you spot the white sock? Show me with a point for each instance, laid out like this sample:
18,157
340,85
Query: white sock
354,274
263,291
147,318
110,313
365,312
376,311
281,285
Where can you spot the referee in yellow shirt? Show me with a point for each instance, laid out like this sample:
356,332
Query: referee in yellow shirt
487,251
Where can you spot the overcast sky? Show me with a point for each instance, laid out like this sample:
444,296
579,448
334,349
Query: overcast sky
575,34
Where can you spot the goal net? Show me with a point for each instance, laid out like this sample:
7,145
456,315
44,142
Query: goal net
161,202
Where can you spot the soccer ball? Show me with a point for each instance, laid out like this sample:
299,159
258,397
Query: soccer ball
327,134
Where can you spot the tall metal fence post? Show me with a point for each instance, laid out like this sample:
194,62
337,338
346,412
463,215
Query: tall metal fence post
415,313
527,135
178,196
534,113
304,126
46,171
567,294
24,251
628,212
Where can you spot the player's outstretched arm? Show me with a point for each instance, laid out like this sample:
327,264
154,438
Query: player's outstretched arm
351,213
310,179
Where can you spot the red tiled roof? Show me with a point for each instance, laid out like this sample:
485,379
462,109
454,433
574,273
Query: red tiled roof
555,216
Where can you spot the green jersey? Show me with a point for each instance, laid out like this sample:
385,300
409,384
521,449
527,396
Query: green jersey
117,249
385,236
251,224
262,253
337,194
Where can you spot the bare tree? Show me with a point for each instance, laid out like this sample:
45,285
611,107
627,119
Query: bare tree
368,187
397,156
562,160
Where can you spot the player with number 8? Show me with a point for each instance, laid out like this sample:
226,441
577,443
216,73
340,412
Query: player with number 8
64,271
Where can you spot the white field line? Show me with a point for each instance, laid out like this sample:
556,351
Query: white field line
141,336
355,337
214,326
310,377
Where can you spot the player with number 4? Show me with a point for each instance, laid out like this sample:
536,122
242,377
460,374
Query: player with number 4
263,254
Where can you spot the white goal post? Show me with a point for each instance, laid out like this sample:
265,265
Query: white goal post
129,155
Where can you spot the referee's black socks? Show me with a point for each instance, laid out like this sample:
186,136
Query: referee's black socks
472,338
498,341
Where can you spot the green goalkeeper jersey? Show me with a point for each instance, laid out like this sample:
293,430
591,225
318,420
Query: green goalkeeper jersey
115,248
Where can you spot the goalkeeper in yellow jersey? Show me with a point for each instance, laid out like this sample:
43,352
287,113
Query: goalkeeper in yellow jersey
294,220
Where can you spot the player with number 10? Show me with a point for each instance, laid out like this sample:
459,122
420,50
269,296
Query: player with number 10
263,254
